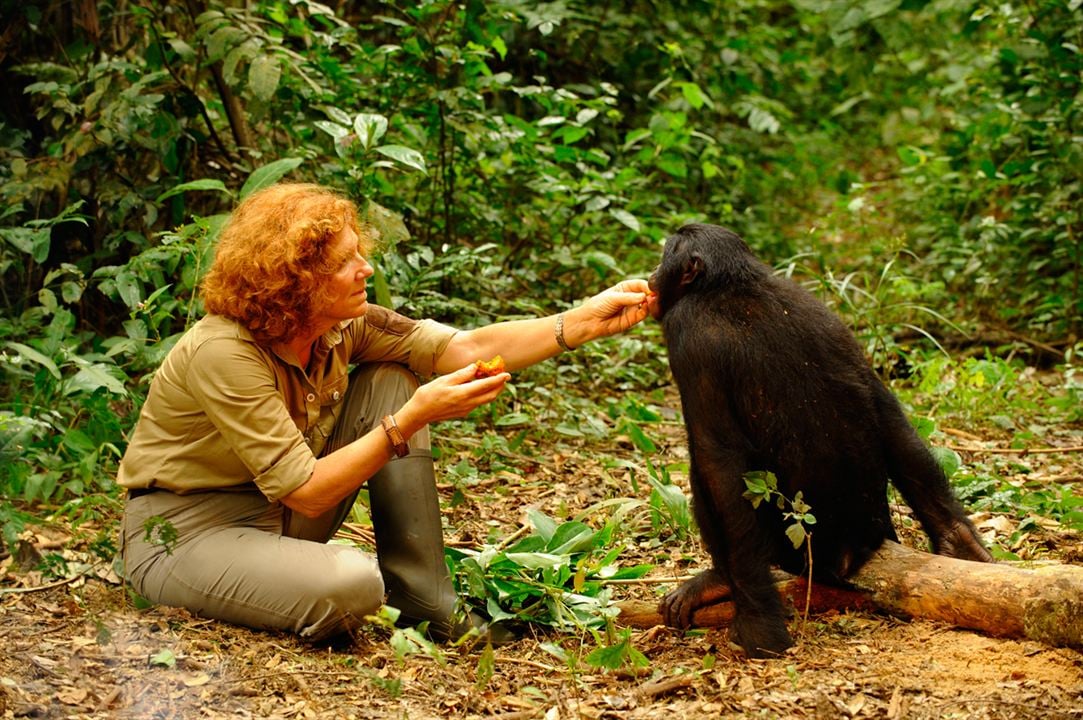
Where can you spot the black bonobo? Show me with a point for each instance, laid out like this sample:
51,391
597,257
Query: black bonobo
770,379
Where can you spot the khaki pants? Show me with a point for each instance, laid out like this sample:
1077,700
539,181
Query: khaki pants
248,561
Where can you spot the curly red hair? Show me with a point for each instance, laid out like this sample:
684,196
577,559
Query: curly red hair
274,255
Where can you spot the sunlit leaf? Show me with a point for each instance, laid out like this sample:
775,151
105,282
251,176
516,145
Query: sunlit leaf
406,156
263,76
269,174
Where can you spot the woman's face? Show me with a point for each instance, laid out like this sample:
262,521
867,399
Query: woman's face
346,287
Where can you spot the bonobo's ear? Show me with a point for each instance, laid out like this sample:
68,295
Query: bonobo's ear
692,268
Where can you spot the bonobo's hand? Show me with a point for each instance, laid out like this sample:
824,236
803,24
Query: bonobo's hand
451,396
609,312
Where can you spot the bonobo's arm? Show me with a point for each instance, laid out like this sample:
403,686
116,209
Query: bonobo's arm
740,553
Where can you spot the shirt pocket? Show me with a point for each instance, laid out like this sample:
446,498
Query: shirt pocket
332,396
334,392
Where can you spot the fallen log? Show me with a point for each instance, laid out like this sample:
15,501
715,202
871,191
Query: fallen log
1041,603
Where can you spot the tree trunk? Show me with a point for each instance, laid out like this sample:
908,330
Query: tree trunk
1043,603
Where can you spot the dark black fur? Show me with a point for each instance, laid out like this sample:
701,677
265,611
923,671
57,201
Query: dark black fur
770,379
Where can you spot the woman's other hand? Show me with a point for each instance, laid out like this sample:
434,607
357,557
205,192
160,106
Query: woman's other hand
448,397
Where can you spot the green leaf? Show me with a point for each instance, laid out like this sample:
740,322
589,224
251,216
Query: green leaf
537,560
129,288
369,127
513,419
184,50
404,155
164,658
640,439
544,526
332,128
92,377
34,243
31,354
268,175
204,184
263,76
694,95
673,165
796,534
571,537
486,667
948,460
625,218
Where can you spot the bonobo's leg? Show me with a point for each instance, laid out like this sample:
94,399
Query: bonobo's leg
916,474
740,554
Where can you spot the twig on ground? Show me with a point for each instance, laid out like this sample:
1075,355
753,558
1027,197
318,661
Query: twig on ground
664,686
50,586
1021,451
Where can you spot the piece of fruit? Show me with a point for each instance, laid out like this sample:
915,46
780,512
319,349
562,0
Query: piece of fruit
483,369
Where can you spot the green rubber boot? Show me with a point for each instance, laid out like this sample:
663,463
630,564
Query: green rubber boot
405,513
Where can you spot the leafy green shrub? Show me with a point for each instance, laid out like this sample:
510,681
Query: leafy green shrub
554,576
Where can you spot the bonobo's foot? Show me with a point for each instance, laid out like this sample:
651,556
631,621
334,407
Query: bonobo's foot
960,540
679,604
760,632
760,636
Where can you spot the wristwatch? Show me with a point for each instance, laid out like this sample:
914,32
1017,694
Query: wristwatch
394,436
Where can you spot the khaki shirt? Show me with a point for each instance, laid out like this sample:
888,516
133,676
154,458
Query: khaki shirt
224,411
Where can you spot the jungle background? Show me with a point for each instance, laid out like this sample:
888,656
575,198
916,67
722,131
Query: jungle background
916,163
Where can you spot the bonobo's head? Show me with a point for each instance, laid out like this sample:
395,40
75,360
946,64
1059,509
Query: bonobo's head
701,258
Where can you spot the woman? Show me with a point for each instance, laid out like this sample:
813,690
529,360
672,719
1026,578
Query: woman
256,437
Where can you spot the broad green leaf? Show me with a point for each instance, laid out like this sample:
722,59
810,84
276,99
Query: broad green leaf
625,218
234,58
92,377
796,534
630,573
71,291
673,165
184,50
268,175
332,128
406,156
694,95
543,525
263,76
129,288
513,419
538,560
204,184
640,439
948,460
33,242
571,537
31,354
221,40
369,128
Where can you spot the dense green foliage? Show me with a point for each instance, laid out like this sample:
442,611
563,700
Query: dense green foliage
516,156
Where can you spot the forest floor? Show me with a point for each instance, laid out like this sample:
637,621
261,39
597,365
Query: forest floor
80,648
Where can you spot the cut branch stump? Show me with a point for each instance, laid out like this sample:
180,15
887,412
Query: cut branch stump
1001,600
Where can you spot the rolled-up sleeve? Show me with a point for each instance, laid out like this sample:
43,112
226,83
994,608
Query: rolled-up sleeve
386,336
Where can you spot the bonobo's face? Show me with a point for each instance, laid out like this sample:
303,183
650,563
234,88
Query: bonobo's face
701,258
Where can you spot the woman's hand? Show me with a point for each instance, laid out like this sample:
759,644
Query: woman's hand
609,312
447,397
